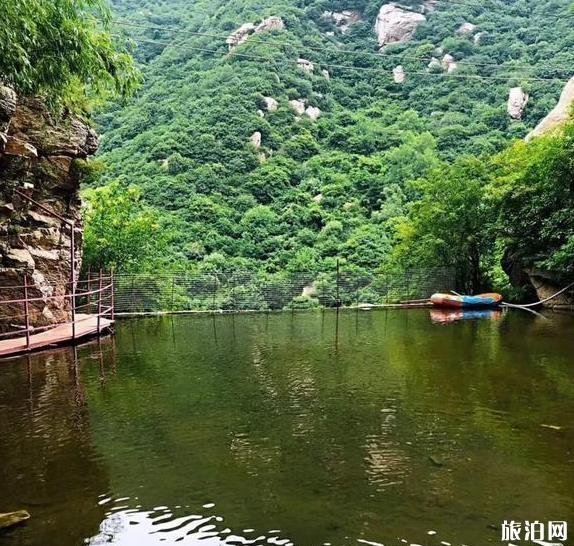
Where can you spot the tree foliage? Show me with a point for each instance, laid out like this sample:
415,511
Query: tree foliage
390,175
63,50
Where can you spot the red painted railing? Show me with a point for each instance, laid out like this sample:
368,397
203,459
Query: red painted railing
92,302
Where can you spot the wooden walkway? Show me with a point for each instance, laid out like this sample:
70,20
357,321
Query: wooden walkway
86,325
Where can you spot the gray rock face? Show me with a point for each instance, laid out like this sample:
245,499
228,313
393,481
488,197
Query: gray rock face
396,25
343,19
239,36
306,65
7,105
399,75
466,28
313,112
546,285
448,63
255,139
298,105
270,104
558,115
40,158
517,101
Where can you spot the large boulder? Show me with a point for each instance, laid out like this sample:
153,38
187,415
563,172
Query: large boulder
466,28
298,105
399,74
313,112
239,36
558,115
7,105
546,285
39,157
517,101
306,65
395,24
448,63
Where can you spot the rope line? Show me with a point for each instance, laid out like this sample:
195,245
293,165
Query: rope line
377,55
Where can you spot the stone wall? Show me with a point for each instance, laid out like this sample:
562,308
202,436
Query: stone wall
40,155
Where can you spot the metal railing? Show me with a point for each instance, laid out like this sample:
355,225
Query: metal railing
253,291
93,302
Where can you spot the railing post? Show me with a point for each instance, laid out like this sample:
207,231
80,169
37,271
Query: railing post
26,312
112,282
172,292
338,300
89,289
99,301
73,276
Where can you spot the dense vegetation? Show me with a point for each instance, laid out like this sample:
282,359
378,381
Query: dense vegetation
63,50
389,176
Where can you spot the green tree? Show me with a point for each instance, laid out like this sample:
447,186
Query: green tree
121,232
63,50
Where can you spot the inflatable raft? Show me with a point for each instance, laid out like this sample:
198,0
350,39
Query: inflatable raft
466,302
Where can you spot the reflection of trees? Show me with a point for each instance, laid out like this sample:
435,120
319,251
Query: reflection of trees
264,417
49,465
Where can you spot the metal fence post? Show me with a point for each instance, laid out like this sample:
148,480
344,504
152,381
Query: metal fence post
338,300
99,301
113,292
89,282
172,291
26,312
73,276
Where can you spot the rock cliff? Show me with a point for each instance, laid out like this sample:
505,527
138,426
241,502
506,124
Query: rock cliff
240,35
396,25
517,101
558,115
41,156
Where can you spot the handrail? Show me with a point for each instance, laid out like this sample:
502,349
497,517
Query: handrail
54,280
102,297
63,296
37,329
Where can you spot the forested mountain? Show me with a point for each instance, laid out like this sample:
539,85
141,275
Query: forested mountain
300,144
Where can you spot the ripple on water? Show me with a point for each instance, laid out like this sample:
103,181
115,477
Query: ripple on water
124,526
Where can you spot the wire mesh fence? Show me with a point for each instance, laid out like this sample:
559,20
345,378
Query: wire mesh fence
252,291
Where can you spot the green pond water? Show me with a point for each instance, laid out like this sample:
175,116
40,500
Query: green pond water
292,429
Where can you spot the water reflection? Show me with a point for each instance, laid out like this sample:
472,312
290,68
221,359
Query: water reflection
445,316
49,464
305,428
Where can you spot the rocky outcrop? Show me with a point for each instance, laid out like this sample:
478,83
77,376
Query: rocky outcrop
559,114
239,36
298,105
270,104
546,285
448,63
477,39
255,139
306,65
42,158
313,112
399,75
395,24
343,19
466,28
517,101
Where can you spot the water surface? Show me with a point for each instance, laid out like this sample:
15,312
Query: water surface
292,428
